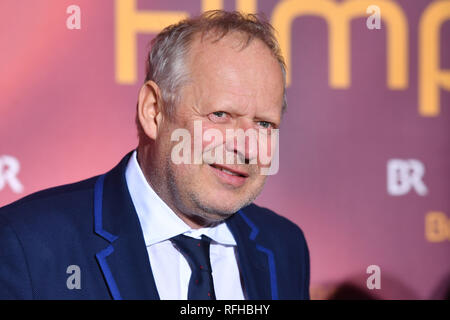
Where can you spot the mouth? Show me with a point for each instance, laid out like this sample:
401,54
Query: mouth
229,170
229,175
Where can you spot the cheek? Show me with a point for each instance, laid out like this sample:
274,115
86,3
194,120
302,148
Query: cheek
184,175
205,136
211,136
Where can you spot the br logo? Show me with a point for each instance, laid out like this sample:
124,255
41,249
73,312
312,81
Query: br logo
9,169
404,175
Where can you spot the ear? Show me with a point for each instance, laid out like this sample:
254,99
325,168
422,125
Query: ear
150,109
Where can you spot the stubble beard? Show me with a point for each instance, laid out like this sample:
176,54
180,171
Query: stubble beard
191,204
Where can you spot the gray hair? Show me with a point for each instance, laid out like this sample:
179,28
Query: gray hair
166,60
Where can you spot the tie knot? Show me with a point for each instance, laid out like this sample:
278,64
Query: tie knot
196,251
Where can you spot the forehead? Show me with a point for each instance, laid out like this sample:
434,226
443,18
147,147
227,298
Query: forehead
226,67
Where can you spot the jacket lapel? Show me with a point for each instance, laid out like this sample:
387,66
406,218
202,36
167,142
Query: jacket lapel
124,261
255,261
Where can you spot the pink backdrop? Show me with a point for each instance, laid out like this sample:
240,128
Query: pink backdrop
64,117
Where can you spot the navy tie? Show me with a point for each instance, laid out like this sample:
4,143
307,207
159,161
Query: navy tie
196,252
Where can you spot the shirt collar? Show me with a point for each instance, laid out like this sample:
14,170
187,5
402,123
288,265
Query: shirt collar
158,221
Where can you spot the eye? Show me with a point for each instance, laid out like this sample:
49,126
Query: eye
266,124
218,116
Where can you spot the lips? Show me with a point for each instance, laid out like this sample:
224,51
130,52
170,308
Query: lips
229,176
230,171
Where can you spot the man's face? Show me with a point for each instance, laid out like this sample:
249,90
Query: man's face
228,89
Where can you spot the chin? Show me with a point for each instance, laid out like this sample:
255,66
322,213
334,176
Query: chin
222,207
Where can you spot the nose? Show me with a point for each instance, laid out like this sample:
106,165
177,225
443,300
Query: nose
242,143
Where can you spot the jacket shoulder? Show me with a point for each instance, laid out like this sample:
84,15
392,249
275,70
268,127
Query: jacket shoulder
269,222
41,235
50,206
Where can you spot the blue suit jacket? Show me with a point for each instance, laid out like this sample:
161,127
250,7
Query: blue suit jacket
93,224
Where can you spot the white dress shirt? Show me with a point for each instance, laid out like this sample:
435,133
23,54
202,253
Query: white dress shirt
170,268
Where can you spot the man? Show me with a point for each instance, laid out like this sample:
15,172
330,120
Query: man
155,227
